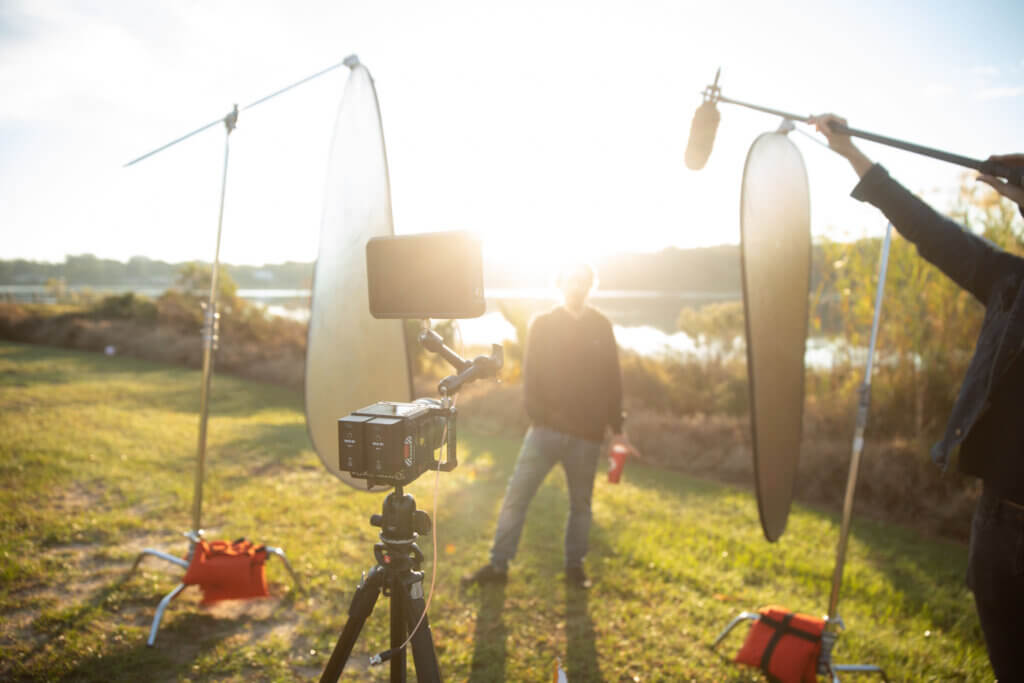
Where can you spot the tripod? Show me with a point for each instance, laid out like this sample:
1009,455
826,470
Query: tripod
397,574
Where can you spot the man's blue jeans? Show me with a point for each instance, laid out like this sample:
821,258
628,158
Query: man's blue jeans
542,448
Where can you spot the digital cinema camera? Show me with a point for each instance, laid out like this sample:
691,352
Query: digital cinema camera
393,443
435,275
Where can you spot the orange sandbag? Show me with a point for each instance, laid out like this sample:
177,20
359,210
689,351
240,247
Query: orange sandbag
783,644
228,570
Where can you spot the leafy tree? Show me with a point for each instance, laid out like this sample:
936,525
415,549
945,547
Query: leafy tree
929,325
127,306
718,327
57,287
194,279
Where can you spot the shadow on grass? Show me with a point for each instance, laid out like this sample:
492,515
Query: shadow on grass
165,387
659,483
229,396
264,449
51,371
581,655
490,638
181,645
925,579
504,451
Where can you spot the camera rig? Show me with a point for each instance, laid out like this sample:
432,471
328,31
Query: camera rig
391,443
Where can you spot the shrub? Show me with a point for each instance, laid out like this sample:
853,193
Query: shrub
129,306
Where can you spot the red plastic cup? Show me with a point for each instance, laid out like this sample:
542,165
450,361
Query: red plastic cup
616,462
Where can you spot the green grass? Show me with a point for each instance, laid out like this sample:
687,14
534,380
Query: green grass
96,462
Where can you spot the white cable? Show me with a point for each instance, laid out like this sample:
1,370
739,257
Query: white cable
433,532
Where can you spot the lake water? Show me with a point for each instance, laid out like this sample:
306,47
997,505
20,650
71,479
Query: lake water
644,321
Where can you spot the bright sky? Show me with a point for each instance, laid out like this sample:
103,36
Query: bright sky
544,126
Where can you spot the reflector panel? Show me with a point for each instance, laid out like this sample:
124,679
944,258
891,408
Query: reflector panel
775,220
352,359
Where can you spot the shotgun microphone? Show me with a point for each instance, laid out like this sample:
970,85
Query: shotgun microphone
704,127
702,135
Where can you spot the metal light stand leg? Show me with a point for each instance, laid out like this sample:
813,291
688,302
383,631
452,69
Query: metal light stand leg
183,563
287,565
833,623
158,617
743,616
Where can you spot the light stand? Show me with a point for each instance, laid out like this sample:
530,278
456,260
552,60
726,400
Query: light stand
210,334
833,623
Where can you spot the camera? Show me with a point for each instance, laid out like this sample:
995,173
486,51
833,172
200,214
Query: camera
393,443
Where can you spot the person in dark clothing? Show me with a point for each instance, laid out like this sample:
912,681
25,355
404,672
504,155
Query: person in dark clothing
985,433
573,389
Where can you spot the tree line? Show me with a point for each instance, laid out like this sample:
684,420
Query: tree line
140,271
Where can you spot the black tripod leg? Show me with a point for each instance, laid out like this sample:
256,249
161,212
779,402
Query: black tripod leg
399,610
423,654
362,604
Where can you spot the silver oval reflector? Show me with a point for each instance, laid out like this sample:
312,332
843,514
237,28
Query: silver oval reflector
352,359
775,229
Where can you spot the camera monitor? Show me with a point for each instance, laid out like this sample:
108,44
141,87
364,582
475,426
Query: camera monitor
775,229
430,275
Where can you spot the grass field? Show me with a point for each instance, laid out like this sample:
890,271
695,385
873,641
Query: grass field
96,462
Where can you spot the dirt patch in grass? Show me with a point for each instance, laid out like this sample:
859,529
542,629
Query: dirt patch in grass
85,610
96,589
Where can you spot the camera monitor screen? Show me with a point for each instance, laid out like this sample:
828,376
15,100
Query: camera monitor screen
431,275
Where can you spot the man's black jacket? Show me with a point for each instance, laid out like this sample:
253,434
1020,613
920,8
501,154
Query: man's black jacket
572,376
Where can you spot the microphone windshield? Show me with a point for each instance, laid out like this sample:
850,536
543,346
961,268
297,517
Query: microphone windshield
702,135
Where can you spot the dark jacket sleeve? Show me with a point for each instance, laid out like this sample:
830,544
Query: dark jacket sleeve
969,260
614,384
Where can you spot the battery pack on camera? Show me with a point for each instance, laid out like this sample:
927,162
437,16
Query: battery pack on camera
393,443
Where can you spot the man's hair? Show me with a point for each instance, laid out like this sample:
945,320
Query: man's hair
580,268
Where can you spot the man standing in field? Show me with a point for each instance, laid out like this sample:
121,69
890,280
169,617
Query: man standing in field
985,433
573,390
